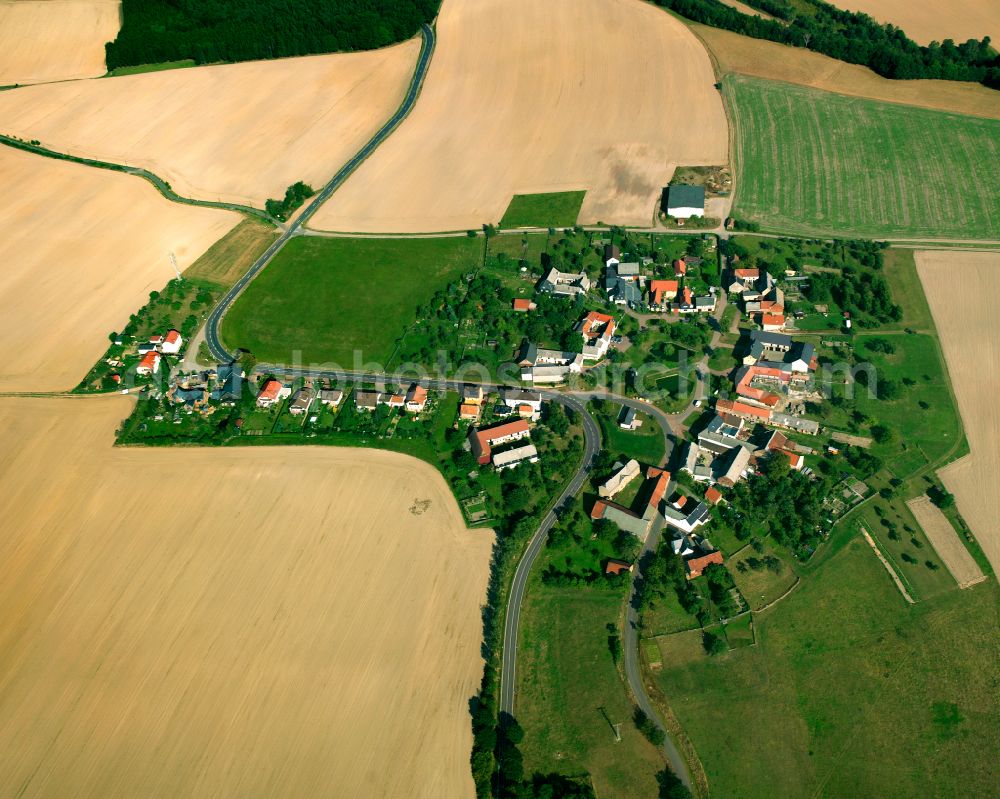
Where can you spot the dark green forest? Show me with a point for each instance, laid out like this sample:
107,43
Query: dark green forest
209,31
852,37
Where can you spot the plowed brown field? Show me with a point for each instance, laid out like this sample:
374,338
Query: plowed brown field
81,250
970,335
234,132
252,622
525,97
44,40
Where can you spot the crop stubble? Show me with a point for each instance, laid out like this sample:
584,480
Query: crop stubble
229,622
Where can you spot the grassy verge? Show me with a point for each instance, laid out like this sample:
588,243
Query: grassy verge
556,209
141,68
811,162
570,693
230,257
330,299
644,444
848,689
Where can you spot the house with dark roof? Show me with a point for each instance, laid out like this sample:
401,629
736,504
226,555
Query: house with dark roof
302,400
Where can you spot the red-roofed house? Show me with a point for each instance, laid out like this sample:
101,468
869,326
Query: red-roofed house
271,393
695,566
680,268
597,330
483,441
171,344
416,399
614,567
772,321
149,365
521,304
713,496
661,292
794,459
469,412
743,410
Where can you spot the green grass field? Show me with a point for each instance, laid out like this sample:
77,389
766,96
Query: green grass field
558,209
569,693
644,444
330,298
812,162
165,65
850,692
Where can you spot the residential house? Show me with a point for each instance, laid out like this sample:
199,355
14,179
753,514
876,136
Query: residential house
472,394
697,461
772,321
523,304
680,268
171,343
150,364
416,399
628,419
623,284
683,202
469,412
563,284
394,400
686,514
272,393
624,475
302,401
597,330
547,366
483,440
713,496
779,348
612,255
367,400
696,565
661,292
332,397
229,382
516,398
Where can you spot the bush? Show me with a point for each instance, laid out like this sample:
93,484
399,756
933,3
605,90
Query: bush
652,731
714,644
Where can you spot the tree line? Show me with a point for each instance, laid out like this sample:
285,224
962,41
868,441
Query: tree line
210,31
852,37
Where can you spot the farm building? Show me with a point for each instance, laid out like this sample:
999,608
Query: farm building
683,202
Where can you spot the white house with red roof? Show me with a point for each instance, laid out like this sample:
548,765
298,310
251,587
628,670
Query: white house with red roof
272,392
171,343
597,330
150,363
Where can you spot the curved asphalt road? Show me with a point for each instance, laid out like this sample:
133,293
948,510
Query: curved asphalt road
423,62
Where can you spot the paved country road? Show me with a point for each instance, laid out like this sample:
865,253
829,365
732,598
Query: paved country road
423,62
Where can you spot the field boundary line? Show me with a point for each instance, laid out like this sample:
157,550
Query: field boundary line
162,186
888,567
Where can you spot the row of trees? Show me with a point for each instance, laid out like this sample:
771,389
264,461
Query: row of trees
210,31
852,37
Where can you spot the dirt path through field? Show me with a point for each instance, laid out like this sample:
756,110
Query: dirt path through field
272,622
961,288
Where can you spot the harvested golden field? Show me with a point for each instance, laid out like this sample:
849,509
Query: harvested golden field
525,97
927,21
970,335
946,542
242,622
43,40
732,52
233,132
82,248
